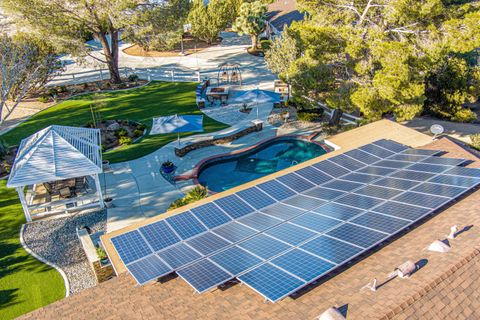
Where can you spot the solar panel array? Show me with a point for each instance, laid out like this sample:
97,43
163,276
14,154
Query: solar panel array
284,233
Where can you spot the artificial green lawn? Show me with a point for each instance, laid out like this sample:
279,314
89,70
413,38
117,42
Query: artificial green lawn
141,104
25,283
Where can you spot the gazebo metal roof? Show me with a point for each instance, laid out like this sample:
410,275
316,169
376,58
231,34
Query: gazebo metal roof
57,153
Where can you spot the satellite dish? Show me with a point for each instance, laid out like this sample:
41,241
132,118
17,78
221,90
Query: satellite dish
436,129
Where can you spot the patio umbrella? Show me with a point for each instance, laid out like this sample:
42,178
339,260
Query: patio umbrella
177,124
257,96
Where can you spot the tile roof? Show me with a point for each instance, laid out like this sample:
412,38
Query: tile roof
283,12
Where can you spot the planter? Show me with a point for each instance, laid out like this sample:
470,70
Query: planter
108,202
167,169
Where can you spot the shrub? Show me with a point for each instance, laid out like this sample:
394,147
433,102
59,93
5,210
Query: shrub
121,132
137,133
4,149
44,98
141,126
177,204
52,91
266,44
310,115
193,195
133,78
464,115
62,89
125,140
101,253
475,140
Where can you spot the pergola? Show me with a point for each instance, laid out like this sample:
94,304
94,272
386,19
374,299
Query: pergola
53,154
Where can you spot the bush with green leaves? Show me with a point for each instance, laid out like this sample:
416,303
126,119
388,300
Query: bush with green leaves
4,149
138,133
464,115
133,77
266,44
44,98
197,193
309,115
101,253
121,132
475,138
125,140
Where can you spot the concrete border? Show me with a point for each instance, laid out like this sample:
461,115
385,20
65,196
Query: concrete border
39,258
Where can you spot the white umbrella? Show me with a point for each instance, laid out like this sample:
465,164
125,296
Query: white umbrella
177,124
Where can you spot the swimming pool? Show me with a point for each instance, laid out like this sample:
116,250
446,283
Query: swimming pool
225,172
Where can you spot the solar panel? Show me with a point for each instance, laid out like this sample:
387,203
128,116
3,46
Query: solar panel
377,151
236,260
256,198
396,183
304,202
358,201
402,210
379,192
338,211
210,215
324,193
360,236
392,164
131,246
159,235
422,200
347,162
295,182
379,171
234,231
302,264
290,233
185,225
315,222
445,161
390,145
331,249
362,156
264,247
359,177
426,167
276,190
464,172
259,221
271,282
342,185
412,175
204,275
283,211
148,269
424,152
313,175
331,168
407,157
380,222
440,190
456,181
207,243
179,255
233,206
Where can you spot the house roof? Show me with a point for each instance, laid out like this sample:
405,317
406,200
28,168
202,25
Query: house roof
56,153
283,12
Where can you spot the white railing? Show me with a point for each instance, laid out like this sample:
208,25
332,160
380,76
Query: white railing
347,117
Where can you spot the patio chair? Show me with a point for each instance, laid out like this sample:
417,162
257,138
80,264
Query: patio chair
225,76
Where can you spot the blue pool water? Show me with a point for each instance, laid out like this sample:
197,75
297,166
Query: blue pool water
228,172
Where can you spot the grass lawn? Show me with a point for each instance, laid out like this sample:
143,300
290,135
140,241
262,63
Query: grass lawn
25,283
141,104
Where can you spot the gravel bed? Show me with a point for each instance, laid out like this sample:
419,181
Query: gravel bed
56,241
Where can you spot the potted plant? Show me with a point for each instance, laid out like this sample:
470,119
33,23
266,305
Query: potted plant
102,255
108,202
168,167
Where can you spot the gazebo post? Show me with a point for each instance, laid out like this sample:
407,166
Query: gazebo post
99,190
23,201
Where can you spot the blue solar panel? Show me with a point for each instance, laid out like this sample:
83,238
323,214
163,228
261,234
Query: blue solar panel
204,275
358,177
379,171
445,161
379,192
159,235
464,172
377,151
324,193
412,175
185,224
295,182
391,145
210,215
331,249
396,183
256,198
148,269
304,202
347,162
392,164
358,201
362,156
422,152
276,190
271,282
259,221
422,200
235,260
357,235
303,264
313,175
456,181
402,210
233,206
283,211
440,190
380,222
342,185
315,222
131,246
179,255
234,231
425,167
264,247
331,168
290,233
207,243
407,157
338,211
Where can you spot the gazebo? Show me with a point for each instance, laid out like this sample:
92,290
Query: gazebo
54,169
229,73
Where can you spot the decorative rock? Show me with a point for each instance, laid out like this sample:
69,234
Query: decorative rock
439,246
331,313
114,126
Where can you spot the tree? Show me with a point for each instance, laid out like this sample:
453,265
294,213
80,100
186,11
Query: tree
158,27
68,22
251,20
23,66
282,54
378,52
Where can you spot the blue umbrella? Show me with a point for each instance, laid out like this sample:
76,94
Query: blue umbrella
257,96
177,124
